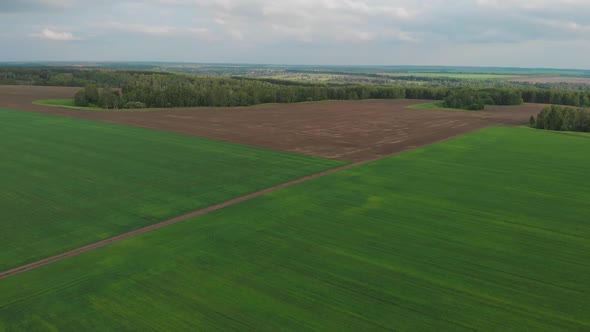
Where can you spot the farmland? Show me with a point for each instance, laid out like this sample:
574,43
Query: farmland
346,130
469,234
464,76
69,182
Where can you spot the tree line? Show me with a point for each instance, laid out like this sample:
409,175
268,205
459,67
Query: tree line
66,76
477,99
562,119
177,90
133,88
155,90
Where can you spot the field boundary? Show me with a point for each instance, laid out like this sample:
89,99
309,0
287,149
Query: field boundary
63,103
121,237
200,212
438,105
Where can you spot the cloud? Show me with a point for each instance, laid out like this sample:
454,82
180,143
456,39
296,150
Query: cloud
57,3
34,5
146,29
532,4
157,30
309,21
55,35
356,31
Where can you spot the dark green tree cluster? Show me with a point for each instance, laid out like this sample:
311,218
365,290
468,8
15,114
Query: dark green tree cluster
105,98
66,76
562,119
477,99
559,97
87,96
157,90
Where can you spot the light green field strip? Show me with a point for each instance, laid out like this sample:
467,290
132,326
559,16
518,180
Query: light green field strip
460,76
68,182
485,232
435,106
66,103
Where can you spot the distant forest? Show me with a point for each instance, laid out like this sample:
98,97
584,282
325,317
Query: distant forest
138,89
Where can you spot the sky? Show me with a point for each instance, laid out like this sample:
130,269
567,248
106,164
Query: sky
508,33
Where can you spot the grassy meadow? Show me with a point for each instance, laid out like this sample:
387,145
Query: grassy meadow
463,76
434,106
66,103
487,232
68,182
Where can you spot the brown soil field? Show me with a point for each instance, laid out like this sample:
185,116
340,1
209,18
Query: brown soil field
346,130
553,79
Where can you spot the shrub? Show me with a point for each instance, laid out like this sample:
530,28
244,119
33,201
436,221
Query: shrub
81,99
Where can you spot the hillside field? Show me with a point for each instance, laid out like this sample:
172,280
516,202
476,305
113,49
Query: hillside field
488,231
69,182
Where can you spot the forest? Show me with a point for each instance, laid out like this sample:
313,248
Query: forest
562,119
156,90
115,89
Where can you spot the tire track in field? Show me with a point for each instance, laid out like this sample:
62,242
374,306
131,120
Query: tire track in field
190,215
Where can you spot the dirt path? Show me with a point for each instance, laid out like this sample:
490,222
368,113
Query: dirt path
143,230
358,131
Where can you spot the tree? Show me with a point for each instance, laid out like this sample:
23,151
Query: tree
563,118
80,99
92,94
109,99
532,122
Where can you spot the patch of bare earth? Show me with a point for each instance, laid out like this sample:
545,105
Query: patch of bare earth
347,130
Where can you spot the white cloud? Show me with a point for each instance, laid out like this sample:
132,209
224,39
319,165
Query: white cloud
564,25
236,34
55,35
58,3
16,6
145,29
533,4
158,30
354,31
303,20
198,31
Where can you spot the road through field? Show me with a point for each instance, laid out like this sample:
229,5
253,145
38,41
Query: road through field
355,131
121,237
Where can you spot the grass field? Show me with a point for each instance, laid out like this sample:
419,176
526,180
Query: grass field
434,106
66,103
485,232
465,76
68,182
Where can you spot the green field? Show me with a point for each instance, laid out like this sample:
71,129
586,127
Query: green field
485,232
68,182
434,106
66,103
463,76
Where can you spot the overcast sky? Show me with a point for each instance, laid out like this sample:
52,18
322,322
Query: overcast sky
523,33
